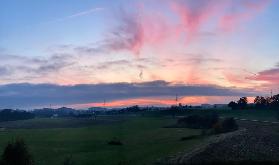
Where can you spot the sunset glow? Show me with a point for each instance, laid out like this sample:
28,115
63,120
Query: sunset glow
147,102
229,44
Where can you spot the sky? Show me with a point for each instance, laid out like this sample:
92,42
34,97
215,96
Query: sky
136,52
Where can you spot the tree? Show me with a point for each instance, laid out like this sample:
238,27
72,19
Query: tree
16,153
261,102
275,102
233,105
12,115
242,102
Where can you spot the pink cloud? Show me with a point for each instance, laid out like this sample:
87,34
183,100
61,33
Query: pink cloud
154,27
236,79
270,76
194,14
257,5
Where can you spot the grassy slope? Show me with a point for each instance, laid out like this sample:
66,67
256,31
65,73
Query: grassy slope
144,141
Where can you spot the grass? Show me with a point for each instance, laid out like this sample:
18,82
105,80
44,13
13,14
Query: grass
270,115
144,140
253,114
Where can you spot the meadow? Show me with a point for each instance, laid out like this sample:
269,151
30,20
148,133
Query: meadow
144,139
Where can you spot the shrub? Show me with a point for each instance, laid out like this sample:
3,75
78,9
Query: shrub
217,128
16,153
189,137
199,121
227,125
115,142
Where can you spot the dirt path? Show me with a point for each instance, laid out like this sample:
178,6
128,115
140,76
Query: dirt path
256,141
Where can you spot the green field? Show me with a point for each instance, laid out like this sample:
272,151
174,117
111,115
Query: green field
270,115
257,114
144,138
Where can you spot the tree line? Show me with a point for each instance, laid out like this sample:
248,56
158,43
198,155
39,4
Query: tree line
12,115
260,102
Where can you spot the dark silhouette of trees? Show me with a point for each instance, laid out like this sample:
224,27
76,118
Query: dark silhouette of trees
233,105
12,115
49,112
274,104
261,102
132,109
16,153
242,102
267,103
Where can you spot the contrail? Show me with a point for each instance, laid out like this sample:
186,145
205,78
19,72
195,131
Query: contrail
79,14
87,12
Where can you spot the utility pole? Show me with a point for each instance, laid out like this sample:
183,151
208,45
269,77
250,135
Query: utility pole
104,103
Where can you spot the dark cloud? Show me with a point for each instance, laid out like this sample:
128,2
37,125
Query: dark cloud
126,36
11,57
54,64
109,64
139,63
35,66
28,95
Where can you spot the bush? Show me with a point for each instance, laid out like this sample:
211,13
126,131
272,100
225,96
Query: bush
199,121
217,128
16,153
115,142
191,137
227,125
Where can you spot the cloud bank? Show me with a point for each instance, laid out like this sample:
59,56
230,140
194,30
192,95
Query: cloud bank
30,95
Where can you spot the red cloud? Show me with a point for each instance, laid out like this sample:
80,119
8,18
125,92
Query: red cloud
270,76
